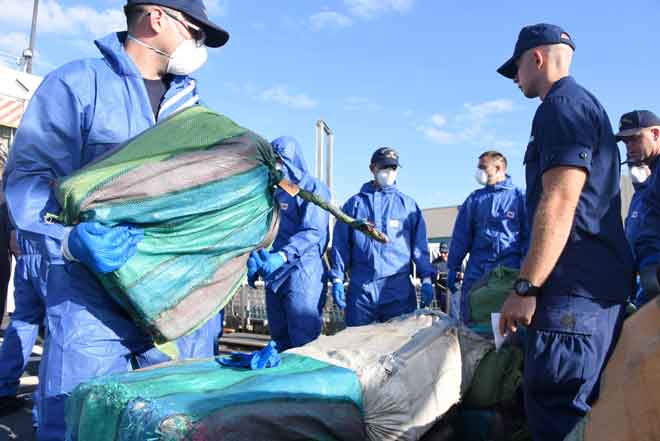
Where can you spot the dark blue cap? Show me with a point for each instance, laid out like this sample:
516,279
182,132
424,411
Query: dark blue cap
195,9
385,156
533,36
632,123
444,248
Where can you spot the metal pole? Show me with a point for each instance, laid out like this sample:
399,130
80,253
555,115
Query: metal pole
33,38
328,163
320,138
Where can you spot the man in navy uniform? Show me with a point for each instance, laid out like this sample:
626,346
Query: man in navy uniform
578,271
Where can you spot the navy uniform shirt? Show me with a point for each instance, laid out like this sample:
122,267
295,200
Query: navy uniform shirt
571,128
647,242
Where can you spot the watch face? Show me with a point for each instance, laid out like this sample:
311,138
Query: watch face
522,287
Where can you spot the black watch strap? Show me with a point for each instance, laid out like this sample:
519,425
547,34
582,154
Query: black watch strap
525,288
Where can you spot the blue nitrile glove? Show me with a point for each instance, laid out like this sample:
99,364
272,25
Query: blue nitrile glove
253,268
338,294
268,357
102,249
427,295
270,262
451,281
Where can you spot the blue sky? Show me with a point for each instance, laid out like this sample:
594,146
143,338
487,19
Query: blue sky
418,75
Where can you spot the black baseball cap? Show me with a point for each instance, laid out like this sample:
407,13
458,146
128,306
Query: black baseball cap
632,123
195,9
385,156
533,36
444,248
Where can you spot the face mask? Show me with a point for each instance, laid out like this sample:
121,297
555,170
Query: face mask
639,174
186,58
386,177
481,176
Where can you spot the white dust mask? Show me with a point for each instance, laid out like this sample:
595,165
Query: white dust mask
639,174
481,176
386,177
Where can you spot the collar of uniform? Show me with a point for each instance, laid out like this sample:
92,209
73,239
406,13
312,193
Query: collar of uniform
558,84
370,188
112,48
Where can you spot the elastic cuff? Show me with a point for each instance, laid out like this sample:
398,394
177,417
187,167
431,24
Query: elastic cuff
66,253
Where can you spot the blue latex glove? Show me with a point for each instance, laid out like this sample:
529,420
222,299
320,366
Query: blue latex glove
427,295
253,268
269,262
268,357
103,249
338,295
451,281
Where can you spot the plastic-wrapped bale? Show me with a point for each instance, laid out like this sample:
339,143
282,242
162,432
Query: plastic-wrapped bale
201,400
389,381
412,369
199,186
628,406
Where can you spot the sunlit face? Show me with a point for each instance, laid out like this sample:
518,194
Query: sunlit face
643,146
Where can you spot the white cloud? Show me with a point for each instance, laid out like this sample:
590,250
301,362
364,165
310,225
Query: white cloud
361,9
57,19
374,8
13,43
329,19
281,95
468,125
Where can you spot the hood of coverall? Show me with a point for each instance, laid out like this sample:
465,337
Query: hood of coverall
290,152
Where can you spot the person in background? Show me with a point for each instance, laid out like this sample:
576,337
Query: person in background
578,271
441,269
380,287
81,111
638,130
491,227
293,270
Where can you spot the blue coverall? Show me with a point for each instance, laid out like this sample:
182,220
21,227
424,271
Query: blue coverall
579,309
492,227
632,226
295,293
380,287
81,111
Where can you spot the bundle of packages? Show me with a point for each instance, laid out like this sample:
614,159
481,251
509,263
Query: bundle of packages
200,188
628,406
389,381
201,400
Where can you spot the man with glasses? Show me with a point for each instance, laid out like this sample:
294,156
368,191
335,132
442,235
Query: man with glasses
380,287
81,111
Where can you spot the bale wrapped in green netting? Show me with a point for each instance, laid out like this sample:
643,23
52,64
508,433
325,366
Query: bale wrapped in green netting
489,294
200,187
302,398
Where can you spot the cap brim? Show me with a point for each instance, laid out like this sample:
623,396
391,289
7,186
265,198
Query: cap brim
628,132
509,69
215,35
387,162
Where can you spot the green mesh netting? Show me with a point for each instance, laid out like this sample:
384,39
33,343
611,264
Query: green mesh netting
201,400
199,186
489,295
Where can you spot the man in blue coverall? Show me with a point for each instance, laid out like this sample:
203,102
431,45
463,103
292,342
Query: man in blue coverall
639,130
579,271
293,270
380,287
491,226
81,111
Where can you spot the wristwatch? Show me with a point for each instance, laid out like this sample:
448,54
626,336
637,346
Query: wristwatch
524,288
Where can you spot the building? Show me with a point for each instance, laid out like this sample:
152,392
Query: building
16,89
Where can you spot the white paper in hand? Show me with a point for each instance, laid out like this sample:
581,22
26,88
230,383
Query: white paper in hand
495,323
